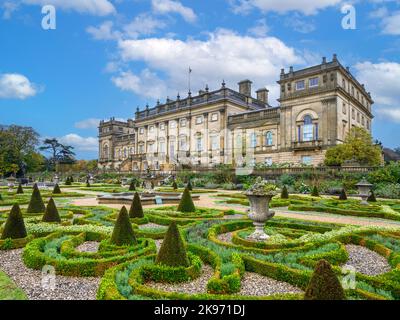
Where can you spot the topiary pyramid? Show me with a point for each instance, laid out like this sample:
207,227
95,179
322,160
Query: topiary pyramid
14,227
284,193
1,197
315,192
174,185
123,232
68,181
343,195
324,284
71,179
36,204
136,210
189,186
51,214
372,197
87,184
20,190
173,252
186,204
56,189
132,186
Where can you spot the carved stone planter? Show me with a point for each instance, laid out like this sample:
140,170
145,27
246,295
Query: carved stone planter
260,214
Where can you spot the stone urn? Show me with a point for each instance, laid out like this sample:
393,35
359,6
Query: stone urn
260,195
56,179
364,189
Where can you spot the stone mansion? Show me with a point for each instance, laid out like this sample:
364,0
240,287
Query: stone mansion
318,107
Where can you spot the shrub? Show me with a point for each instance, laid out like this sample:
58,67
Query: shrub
388,190
71,178
1,197
315,192
123,232
36,204
173,252
14,227
287,180
186,204
51,214
343,195
372,197
68,181
189,186
324,284
132,186
87,184
174,185
20,190
56,189
284,193
136,210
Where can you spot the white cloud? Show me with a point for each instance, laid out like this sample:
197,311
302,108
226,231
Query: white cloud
224,55
143,24
93,7
391,24
104,31
307,7
382,80
260,29
147,84
9,8
299,24
169,6
80,143
16,86
90,123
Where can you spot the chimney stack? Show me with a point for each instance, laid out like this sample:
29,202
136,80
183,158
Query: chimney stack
262,95
334,57
245,87
323,60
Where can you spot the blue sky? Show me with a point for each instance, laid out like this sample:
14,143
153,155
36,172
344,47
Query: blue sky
107,57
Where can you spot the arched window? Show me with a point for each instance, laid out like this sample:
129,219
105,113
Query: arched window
253,140
268,138
308,129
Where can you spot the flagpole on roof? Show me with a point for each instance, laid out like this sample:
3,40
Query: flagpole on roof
190,71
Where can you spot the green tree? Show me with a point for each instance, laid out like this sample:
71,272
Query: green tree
51,213
324,284
123,232
136,209
173,252
60,153
14,227
358,146
186,204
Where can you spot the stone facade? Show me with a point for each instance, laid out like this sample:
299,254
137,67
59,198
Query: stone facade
318,107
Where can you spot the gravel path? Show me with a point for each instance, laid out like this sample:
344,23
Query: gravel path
198,285
151,225
234,216
254,284
366,261
88,246
225,237
67,288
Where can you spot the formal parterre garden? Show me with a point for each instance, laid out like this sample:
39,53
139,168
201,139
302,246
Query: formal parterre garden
187,252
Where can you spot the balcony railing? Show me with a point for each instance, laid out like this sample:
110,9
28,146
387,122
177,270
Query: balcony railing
307,145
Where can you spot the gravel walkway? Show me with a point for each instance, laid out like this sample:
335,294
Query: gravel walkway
225,237
88,246
254,284
234,216
151,225
366,261
198,285
67,288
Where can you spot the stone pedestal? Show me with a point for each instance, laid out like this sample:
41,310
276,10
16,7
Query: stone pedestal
260,214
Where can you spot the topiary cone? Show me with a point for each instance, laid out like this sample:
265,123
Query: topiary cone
132,186
315,192
324,284
343,195
372,197
174,186
87,184
123,232
20,190
136,210
189,186
51,214
56,189
186,204
1,197
284,193
173,252
68,181
36,204
14,227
